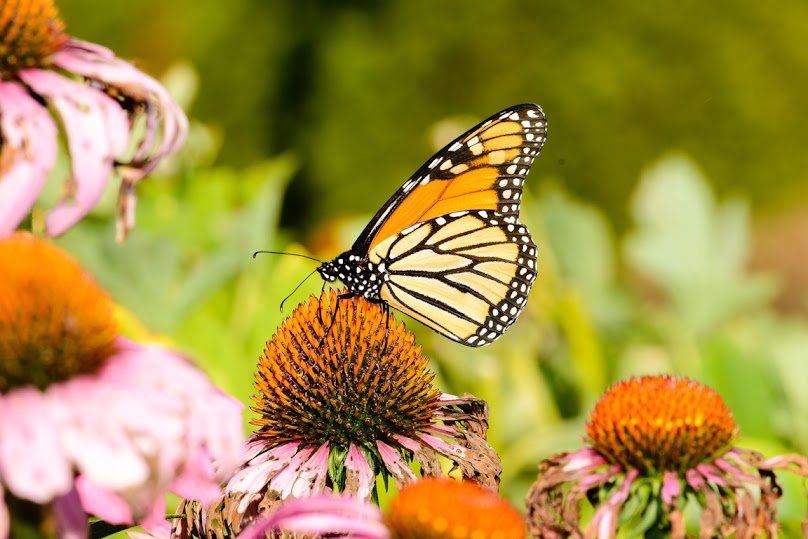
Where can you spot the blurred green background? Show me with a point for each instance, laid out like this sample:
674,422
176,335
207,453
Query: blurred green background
670,203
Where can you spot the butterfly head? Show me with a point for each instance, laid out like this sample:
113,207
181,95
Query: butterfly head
360,276
328,271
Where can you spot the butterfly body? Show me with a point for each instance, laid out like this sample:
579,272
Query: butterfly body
447,248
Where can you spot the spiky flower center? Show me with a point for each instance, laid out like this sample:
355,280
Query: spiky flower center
365,381
30,31
660,423
448,509
55,322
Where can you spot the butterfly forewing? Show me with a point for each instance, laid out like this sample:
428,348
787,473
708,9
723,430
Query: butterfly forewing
467,274
482,170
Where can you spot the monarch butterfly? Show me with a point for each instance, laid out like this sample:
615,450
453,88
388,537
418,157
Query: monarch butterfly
447,248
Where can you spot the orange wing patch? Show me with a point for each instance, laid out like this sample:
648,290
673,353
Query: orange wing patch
483,170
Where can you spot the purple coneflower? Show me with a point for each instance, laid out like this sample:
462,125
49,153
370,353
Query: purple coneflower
333,415
657,443
91,422
433,508
113,116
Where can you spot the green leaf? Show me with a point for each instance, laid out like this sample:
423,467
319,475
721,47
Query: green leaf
692,247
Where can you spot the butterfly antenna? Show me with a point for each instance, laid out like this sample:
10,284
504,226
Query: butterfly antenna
298,286
287,254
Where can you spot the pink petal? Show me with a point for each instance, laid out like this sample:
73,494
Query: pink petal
102,502
252,478
70,516
671,487
407,443
444,448
322,515
27,153
395,464
198,480
98,63
258,470
585,459
32,463
97,134
605,518
312,474
100,445
695,481
284,481
358,469
155,522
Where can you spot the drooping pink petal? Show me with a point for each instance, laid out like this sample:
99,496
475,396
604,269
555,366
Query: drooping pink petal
695,481
322,515
711,473
155,522
97,134
32,463
584,460
27,153
671,487
212,419
100,445
100,64
284,481
407,443
395,464
593,479
103,502
258,469
359,476
312,474
443,447
70,516
198,479
604,522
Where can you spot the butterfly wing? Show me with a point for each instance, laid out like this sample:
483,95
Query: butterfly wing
483,169
467,275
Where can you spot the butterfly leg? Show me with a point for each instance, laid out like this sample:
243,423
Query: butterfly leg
341,297
386,315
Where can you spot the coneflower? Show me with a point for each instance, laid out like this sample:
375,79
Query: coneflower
344,395
89,421
654,444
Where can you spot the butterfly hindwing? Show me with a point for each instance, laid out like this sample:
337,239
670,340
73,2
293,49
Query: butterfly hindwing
482,170
466,274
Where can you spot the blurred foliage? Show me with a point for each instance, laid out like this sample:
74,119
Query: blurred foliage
643,261
351,85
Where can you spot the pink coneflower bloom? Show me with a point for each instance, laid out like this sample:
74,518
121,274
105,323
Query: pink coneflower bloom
113,116
91,422
655,445
426,509
334,416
